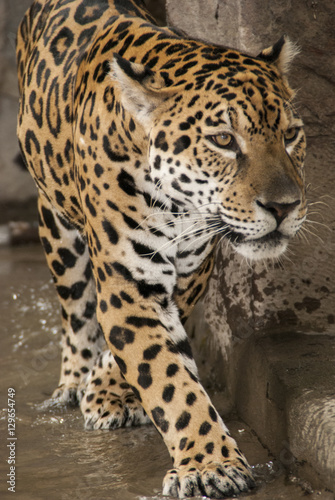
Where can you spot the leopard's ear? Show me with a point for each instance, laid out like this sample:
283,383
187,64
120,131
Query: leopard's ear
142,90
280,54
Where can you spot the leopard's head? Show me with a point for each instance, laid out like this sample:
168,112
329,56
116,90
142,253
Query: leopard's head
225,141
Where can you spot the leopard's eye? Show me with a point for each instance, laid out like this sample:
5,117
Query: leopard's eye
225,141
291,134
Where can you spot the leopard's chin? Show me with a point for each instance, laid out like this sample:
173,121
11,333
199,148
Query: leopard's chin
270,246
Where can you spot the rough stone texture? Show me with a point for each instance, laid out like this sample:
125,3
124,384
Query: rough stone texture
292,379
246,302
312,437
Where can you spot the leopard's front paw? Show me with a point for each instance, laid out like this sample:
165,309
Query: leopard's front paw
214,480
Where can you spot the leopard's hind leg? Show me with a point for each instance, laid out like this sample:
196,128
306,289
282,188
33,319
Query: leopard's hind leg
68,259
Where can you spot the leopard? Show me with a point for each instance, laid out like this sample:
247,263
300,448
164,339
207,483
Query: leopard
148,149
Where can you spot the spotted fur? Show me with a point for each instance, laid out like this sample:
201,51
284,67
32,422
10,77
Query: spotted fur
147,149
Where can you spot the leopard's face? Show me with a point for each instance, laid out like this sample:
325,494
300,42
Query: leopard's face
237,164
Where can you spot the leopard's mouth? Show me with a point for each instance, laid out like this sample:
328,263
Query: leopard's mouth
268,246
271,245
275,238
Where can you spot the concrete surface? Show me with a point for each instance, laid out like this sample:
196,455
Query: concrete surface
286,392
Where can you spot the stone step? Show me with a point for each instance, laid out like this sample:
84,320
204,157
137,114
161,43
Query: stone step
286,392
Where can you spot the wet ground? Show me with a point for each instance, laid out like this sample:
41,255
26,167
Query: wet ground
55,458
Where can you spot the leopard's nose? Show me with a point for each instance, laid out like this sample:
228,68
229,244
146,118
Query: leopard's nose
279,210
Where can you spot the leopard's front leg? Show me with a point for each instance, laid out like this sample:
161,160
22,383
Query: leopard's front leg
142,328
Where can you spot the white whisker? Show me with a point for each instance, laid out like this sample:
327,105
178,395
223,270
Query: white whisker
174,241
307,230
208,236
318,224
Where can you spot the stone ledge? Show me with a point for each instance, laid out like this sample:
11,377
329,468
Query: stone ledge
285,391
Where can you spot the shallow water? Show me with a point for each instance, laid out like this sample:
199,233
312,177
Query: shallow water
55,457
